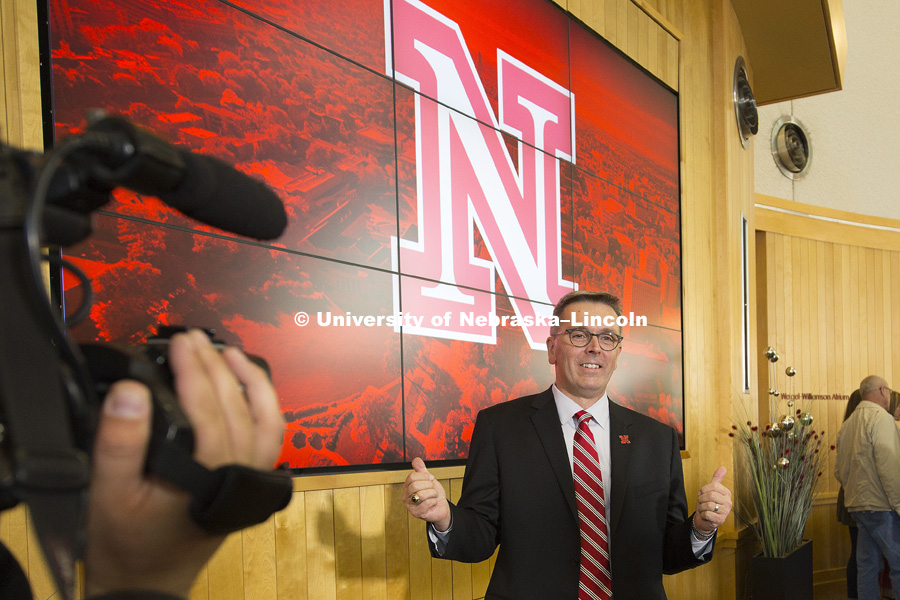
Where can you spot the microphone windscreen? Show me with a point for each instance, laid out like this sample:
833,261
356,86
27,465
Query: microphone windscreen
214,192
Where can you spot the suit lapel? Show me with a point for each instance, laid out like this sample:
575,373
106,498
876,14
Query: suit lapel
620,460
546,422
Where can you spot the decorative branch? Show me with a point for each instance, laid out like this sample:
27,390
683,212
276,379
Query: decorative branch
785,464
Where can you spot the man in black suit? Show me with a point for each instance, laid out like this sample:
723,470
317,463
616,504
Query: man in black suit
518,489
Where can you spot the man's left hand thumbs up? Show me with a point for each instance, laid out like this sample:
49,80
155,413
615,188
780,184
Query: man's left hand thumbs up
713,503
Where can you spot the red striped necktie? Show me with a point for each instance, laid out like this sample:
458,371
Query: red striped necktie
595,582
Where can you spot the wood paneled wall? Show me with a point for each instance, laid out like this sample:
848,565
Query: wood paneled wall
348,536
830,305
20,93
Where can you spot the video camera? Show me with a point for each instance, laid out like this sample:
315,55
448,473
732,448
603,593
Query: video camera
51,388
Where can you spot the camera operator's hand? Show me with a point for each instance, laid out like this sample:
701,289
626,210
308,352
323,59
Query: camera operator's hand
140,535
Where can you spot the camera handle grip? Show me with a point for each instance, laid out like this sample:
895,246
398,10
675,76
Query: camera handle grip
223,500
226,499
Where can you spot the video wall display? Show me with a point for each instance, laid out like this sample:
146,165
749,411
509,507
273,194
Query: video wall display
450,168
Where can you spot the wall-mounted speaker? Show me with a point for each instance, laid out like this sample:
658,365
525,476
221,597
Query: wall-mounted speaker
790,147
744,103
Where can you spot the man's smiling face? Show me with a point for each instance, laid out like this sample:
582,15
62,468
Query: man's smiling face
583,373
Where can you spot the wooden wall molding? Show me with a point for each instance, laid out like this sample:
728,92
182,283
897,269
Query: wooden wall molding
825,224
308,483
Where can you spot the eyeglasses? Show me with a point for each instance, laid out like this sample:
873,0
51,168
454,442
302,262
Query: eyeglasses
581,337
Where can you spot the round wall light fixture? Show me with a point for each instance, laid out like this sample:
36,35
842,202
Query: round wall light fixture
744,103
790,147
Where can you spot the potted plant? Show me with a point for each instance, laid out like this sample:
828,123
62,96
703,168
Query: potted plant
784,460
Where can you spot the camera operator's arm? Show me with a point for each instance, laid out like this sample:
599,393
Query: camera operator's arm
140,535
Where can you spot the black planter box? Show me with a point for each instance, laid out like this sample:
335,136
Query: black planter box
790,576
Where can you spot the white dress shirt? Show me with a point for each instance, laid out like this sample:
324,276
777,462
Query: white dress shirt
599,426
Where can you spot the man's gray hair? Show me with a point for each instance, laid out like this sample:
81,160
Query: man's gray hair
870,384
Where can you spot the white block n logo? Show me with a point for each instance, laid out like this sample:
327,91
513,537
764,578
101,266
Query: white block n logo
467,178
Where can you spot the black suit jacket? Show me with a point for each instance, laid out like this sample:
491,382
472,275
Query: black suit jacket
518,492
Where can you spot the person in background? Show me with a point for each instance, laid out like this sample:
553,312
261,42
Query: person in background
868,468
142,543
844,517
884,578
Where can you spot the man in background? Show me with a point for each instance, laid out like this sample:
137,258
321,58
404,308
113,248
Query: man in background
868,468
